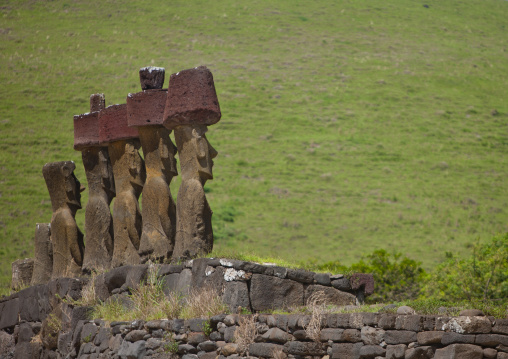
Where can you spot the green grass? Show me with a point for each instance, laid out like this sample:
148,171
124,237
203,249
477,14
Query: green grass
346,127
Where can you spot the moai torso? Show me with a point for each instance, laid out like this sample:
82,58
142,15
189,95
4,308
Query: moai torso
66,238
159,209
145,111
98,219
191,106
129,174
128,168
101,188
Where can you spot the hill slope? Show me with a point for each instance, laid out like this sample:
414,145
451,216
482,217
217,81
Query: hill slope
346,126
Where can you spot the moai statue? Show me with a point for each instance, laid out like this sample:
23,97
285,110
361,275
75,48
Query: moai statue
129,173
101,187
43,260
66,238
144,111
191,106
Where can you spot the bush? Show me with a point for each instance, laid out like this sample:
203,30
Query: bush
396,277
482,276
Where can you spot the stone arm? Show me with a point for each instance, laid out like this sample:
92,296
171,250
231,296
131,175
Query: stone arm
133,223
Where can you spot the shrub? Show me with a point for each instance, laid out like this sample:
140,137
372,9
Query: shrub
396,277
482,276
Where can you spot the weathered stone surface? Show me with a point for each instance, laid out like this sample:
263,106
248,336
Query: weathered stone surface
66,238
276,335
346,351
409,322
25,333
429,338
98,219
207,346
229,349
399,337
86,130
300,275
7,343
89,332
459,351
113,125
356,320
135,350
424,352
192,99
501,355
146,108
387,321
130,175
159,209
372,336
405,310
152,77
9,313
136,275
236,294
468,325
194,338
322,278
362,281
276,271
489,353
351,336
429,322
396,351
194,234
333,334
305,348
28,351
501,326
264,350
267,292
186,349
451,337
229,334
135,335
33,303
371,351
332,295
178,282
491,340
341,284
116,277
302,335
43,250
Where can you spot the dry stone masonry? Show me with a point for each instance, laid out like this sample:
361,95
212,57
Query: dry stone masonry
24,332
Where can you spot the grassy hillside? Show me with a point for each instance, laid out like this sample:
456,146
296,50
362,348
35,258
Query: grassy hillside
347,126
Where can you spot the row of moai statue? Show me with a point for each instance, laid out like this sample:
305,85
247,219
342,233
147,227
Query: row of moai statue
109,139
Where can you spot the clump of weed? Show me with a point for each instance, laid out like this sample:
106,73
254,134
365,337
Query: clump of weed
203,303
246,332
317,305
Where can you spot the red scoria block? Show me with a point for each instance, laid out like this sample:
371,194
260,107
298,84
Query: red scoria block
146,108
86,130
192,99
113,124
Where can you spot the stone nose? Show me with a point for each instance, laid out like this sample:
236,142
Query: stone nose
81,188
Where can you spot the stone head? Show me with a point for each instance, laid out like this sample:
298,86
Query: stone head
195,150
63,186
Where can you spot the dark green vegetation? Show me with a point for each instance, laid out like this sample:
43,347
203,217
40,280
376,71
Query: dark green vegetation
347,126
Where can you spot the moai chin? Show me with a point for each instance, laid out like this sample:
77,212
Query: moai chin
191,106
145,110
129,174
66,238
101,187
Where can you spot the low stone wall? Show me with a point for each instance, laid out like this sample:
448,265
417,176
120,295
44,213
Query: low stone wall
342,336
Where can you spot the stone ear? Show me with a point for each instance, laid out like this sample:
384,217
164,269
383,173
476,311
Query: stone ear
67,169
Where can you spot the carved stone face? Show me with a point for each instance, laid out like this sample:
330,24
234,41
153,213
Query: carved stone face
73,187
204,151
168,161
